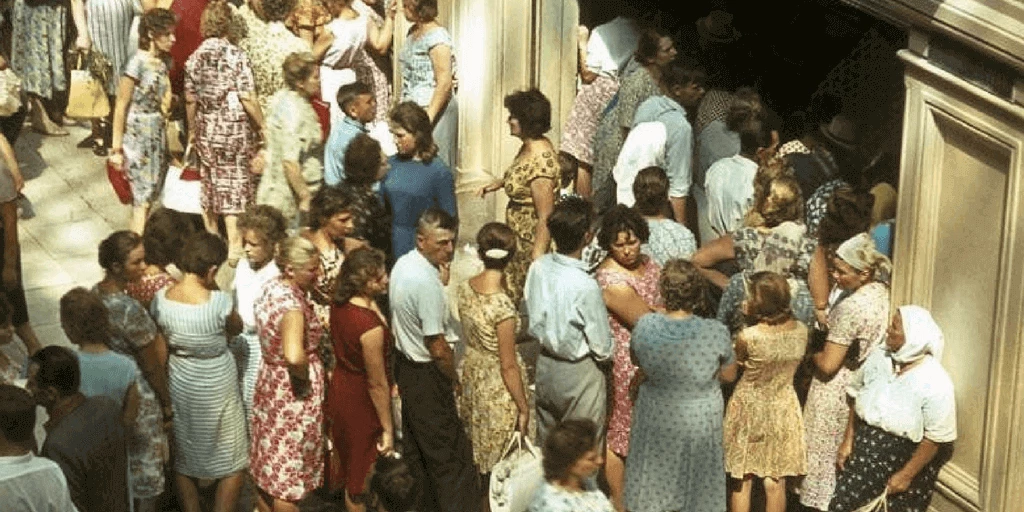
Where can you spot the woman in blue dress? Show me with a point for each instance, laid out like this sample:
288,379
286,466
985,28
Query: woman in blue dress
428,74
676,458
418,179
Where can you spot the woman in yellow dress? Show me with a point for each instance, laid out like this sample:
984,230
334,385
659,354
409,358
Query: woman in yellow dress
531,184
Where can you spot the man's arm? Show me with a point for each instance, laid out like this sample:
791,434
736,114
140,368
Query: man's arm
594,314
680,168
442,355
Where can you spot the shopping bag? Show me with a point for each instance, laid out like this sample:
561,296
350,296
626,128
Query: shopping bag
87,96
516,477
119,180
10,93
879,504
182,187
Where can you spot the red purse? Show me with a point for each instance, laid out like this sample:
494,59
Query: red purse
323,114
119,180
190,166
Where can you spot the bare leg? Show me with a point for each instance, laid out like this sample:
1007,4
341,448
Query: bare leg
210,222
41,121
285,506
188,495
739,494
234,239
615,473
775,494
584,185
139,215
228,489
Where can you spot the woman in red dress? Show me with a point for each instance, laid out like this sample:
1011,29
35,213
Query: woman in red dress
359,399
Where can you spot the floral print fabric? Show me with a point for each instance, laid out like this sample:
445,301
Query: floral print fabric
37,47
217,75
267,45
521,215
784,249
287,450
623,369
486,407
145,140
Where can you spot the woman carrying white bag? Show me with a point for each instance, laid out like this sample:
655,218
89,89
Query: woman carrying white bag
571,457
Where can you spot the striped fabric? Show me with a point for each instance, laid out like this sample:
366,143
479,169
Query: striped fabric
209,425
110,25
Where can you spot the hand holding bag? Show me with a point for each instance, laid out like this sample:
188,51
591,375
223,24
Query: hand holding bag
516,477
183,186
87,96
119,180
879,504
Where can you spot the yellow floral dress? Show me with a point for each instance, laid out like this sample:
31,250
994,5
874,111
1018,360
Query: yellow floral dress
521,215
486,407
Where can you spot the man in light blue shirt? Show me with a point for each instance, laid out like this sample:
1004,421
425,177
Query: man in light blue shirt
359,104
568,316
684,84
435,439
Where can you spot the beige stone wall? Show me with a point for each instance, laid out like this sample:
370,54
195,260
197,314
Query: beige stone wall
960,252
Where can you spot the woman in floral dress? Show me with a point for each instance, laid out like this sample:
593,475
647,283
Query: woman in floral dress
629,284
857,326
531,183
220,100
287,452
494,400
134,334
139,143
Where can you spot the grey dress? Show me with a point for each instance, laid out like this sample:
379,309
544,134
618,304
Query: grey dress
676,458
37,47
209,424
418,85
110,27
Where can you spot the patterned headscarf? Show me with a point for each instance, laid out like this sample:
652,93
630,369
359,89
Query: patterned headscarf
922,336
861,254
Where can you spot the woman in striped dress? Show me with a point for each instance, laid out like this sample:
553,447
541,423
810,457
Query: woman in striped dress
209,427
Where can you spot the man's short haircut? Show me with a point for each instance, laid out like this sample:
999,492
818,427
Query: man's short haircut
58,368
569,223
17,414
84,316
349,92
683,72
436,218
754,135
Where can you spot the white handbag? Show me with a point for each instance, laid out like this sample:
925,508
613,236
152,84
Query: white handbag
879,504
516,477
10,93
183,195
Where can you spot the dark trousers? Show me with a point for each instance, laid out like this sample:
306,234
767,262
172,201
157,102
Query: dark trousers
434,440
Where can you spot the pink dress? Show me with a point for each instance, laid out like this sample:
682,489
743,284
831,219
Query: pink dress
287,449
646,286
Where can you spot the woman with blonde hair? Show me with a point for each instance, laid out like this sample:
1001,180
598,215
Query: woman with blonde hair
495,399
287,452
857,326
294,141
225,120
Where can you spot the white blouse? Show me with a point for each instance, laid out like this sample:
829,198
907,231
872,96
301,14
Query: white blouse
917,404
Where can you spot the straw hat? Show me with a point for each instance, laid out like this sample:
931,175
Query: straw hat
717,27
841,131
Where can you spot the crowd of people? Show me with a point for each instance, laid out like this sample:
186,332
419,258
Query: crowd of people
711,307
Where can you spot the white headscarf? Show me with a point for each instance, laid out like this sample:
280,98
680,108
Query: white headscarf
922,336
861,254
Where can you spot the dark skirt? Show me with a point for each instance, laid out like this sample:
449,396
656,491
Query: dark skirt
877,455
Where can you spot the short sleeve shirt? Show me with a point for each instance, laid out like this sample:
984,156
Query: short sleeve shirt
418,305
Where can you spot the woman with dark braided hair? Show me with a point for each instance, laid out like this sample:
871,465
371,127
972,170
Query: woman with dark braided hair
676,459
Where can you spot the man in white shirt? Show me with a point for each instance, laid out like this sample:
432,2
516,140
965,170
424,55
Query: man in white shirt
433,435
730,181
27,483
567,315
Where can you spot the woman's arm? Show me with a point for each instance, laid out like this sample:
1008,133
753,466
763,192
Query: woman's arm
830,360
147,5
322,43
152,361
293,173
718,250
125,88
191,109
846,447
727,374
582,39
233,325
130,411
510,371
543,192
817,283
625,304
81,26
252,107
376,376
293,332
441,58
12,249
379,39
925,452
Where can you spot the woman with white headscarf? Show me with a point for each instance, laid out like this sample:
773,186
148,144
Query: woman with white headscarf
857,323
902,413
